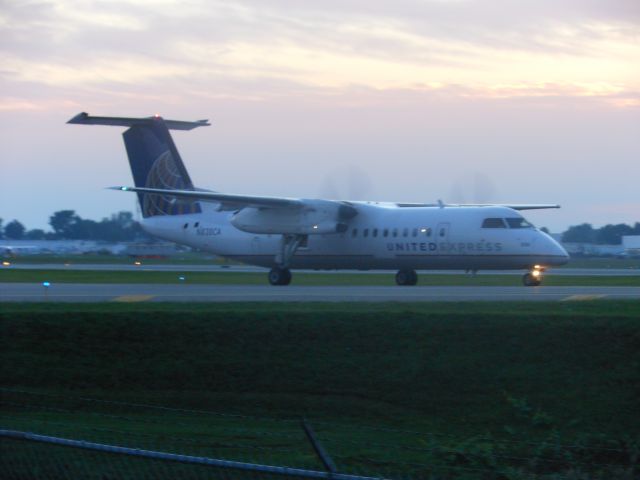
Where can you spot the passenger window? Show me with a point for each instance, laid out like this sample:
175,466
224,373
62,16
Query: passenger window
518,222
186,225
365,232
196,225
405,232
414,233
375,232
385,232
426,231
354,233
395,232
493,223
443,232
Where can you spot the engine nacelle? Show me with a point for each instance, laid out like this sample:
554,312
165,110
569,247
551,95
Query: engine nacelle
315,218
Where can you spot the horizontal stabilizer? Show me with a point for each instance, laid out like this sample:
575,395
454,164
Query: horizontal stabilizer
86,119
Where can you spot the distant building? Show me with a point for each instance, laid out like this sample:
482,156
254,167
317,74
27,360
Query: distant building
631,244
57,247
153,250
593,249
19,248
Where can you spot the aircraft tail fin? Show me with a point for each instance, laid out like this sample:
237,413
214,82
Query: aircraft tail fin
154,160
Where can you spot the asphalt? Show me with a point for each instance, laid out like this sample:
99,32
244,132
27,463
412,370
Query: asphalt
70,292
127,267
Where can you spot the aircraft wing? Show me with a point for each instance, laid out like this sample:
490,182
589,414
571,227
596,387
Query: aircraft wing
514,206
517,206
269,215
227,201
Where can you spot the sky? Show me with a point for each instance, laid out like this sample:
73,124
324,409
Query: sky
501,101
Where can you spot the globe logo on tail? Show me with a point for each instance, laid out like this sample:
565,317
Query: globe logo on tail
165,174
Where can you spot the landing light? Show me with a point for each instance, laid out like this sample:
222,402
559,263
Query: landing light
46,284
315,227
6,264
423,230
137,263
536,273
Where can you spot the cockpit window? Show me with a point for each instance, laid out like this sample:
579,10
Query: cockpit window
493,223
518,222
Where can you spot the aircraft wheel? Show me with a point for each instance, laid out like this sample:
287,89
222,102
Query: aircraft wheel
531,280
279,276
406,277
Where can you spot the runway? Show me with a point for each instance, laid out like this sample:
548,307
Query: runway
130,267
70,292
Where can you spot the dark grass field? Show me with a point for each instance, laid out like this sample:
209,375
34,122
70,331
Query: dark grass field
319,279
483,384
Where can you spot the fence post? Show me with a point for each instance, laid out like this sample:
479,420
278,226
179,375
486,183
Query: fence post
317,447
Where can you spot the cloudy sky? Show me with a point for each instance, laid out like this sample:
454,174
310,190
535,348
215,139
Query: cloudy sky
460,100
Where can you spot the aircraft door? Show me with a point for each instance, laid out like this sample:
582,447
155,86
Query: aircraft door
255,245
442,232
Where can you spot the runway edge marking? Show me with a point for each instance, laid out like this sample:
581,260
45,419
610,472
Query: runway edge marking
581,298
132,298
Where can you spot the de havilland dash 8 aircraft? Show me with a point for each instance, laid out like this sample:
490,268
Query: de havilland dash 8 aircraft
288,233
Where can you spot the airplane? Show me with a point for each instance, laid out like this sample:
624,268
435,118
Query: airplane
297,233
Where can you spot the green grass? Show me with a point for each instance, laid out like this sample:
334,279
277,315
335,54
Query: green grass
485,379
249,278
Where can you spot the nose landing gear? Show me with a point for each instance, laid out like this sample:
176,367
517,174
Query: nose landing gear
534,277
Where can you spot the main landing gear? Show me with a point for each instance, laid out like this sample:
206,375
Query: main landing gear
281,275
534,277
406,277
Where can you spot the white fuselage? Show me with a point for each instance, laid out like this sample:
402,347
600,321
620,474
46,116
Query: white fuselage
381,236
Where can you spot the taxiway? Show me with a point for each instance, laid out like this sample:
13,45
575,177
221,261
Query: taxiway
130,267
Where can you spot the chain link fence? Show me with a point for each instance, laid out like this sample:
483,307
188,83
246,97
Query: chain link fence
67,436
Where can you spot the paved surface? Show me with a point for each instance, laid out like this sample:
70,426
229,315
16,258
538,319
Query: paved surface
69,292
615,272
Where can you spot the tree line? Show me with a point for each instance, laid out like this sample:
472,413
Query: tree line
121,227
607,235
67,225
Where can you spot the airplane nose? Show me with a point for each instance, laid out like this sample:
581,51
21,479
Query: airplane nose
564,256
557,252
